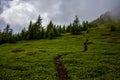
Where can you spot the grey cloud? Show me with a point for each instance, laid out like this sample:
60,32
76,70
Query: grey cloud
4,4
84,9
59,11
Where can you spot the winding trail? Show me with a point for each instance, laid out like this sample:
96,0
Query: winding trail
62,73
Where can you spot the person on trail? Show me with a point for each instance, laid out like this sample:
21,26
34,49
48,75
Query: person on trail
85,45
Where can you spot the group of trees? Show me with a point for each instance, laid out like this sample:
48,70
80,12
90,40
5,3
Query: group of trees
6,35
37,31
76,28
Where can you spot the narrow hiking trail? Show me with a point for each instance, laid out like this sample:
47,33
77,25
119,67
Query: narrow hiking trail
62,73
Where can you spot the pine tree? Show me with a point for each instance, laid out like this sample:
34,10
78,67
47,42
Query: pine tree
85,25
43,33
56,31
24,34
38,27
39,22
51,34
49,29
35,30
12,39
30,31
69,28
64,29
76,28
8,29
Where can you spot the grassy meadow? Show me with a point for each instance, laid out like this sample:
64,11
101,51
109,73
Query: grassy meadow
34,59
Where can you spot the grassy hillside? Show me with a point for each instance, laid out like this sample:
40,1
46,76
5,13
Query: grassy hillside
34,60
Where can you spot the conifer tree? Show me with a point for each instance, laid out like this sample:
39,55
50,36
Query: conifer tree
35,29
38,27
56,31
85,25
51,34
8,29
49,29
30,31
24,34
43,33
76,28
69,28
64,29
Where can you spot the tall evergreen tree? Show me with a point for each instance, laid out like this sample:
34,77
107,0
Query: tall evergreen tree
24,34
43,33
49,29
64,29
38,27
50,26
39,22
8,29
30,31
35,29
76,28
85,25
56,31
51,34
52,31
69,28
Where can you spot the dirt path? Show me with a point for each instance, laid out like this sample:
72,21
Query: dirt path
60,69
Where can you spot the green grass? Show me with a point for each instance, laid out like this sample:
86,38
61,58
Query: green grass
34,59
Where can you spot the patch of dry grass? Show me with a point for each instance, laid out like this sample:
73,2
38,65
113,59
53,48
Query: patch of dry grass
17,50
31,53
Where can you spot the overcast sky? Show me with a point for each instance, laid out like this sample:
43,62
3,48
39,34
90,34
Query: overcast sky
18,13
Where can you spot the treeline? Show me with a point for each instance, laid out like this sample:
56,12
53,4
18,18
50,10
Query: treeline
76,28
37,31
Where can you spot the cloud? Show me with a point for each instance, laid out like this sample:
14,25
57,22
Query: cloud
84,9
18,13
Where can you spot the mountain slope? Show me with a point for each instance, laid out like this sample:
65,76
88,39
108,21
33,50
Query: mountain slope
108,17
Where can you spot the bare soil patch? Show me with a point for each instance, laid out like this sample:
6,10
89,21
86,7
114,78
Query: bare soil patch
62,73
17,50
